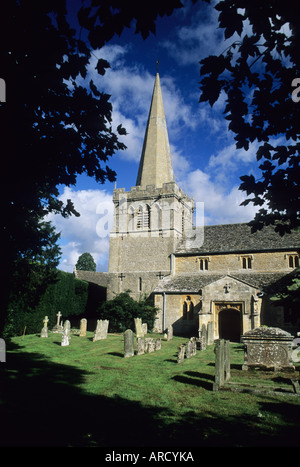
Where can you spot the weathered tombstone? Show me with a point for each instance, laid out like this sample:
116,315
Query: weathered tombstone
268,348
44,332
188,349
181,352
210,333
2,350
101,330
193,346
140,346
145,328
219,365
157,344
83,326
149,345
138,327
128,343
58,327
226,360
66,333
203,337
170,332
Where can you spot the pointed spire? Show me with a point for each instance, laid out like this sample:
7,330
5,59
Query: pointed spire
156,164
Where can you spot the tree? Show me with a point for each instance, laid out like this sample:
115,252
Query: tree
122,310
53,129
86,262
257,73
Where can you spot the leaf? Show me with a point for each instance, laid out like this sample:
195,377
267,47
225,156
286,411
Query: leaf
101,66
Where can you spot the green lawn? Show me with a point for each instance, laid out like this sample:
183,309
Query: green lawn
88,394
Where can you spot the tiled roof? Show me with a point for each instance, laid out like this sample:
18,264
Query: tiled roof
189,283
236,238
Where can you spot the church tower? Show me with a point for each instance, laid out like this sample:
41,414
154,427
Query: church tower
150,219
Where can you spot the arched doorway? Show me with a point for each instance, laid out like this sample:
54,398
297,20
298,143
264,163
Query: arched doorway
230,324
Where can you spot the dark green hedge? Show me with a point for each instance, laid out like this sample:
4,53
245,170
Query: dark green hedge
67,295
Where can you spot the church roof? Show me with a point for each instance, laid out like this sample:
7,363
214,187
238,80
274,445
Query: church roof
156,164
193,283
229,238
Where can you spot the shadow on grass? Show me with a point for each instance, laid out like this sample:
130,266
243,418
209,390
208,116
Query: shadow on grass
44,404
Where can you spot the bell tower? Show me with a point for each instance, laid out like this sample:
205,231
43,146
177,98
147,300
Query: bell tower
150,219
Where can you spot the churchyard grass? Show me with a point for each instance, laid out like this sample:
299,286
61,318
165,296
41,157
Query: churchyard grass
88,394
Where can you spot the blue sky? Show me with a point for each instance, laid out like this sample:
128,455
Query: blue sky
205,162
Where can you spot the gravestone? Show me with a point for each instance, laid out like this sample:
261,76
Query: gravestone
219,365
2,350
203,340
210,333
181,353
145,328
157,344
66,333
128,343
44,332
140,345
101,330
83,326
58,327
138,327
149,345
170,332
268,348
188,349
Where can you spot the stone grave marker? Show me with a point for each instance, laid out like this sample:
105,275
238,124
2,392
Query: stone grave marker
128,343
58,327
181,353
101,330
170,332
210,333
188,349
44,332
138,327
66,336
158,344
149,345
140,344
2,350
145,328
268,348
83,326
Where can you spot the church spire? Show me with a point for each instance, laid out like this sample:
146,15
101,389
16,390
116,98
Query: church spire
156,164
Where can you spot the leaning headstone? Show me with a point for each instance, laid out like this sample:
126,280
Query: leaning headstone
101,330
138,327
157,344
66,333
58,327
181,352
44,332
268,348
140,346
128,343
83,326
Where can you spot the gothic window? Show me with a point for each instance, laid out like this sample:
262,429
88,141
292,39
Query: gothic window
293,261
246,262
188,309
203,264
140,284
143,217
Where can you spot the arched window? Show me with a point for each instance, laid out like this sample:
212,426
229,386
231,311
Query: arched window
143,217
191,312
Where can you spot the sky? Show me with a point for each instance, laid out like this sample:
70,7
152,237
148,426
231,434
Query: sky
206,164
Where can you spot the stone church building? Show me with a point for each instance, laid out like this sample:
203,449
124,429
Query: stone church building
218,274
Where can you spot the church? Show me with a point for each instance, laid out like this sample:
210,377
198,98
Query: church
220,276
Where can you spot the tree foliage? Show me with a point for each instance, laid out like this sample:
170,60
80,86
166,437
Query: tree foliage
122,310
256,73
86,262
52,128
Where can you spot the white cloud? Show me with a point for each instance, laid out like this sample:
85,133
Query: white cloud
87,233
221,205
